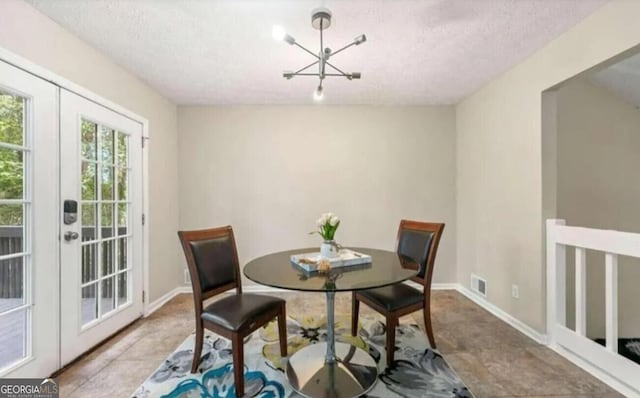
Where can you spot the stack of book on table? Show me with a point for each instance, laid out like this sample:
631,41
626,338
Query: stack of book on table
309,261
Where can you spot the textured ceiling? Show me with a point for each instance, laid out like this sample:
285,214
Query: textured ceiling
222,52
623,79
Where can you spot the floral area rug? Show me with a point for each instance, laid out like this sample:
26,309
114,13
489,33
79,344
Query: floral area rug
417,371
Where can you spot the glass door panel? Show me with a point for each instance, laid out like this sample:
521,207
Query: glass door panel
104,233
15,306
102,270
28,116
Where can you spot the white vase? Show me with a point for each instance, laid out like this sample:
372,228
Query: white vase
329,249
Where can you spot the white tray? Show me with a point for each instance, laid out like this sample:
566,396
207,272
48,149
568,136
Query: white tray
346,258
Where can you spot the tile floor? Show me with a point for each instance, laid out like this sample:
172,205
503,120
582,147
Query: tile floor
493,359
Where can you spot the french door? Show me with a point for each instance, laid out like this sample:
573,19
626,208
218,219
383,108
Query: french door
28,225
101,247
70,224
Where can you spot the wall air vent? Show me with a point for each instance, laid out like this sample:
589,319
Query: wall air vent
479,285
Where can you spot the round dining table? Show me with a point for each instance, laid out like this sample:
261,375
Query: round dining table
330,369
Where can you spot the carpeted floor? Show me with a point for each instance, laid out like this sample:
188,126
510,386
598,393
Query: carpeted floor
417,371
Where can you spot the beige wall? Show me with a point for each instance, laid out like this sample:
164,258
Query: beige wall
270,171
598,186
32,35
499,159
498,156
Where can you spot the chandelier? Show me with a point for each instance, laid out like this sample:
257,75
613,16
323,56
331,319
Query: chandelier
321,20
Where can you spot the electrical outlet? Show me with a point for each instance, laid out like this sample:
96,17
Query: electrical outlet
187,277
515,291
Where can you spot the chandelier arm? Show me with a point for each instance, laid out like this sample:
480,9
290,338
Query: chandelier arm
343,48
326,74
305,68
305,49
333,67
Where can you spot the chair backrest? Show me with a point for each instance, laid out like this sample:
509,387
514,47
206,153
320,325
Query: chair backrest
212,258
419,241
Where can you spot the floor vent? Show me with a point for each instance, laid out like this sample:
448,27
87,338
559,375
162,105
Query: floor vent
479,285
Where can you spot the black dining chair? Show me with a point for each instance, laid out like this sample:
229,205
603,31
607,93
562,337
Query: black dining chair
416,244
212,258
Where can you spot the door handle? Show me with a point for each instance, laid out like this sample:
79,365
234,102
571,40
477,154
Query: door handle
70,235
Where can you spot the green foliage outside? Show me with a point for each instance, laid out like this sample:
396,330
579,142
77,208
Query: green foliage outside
113,150
11,115
113,146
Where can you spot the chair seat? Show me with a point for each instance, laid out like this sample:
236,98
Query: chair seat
239,310
393,297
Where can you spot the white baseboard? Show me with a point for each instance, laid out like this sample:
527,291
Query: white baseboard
595,371
493,309
264,289
481,301
504,316
438,286
156,304
444,286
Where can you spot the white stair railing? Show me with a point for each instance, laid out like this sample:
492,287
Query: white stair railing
614,368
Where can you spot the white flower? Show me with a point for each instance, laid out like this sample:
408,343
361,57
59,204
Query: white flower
327,218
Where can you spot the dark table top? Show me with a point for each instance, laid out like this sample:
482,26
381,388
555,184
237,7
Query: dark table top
276,270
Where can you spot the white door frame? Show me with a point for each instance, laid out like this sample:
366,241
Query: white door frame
30,67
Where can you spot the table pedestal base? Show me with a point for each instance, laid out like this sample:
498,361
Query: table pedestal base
353,374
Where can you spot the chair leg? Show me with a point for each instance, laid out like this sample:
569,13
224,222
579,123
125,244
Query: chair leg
282,331
355,309
197,348
426,311
391,339
237,346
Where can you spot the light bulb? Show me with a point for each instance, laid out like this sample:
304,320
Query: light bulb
318,95
278,32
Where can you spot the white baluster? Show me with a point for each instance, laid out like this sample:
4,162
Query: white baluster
581,291
611,300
